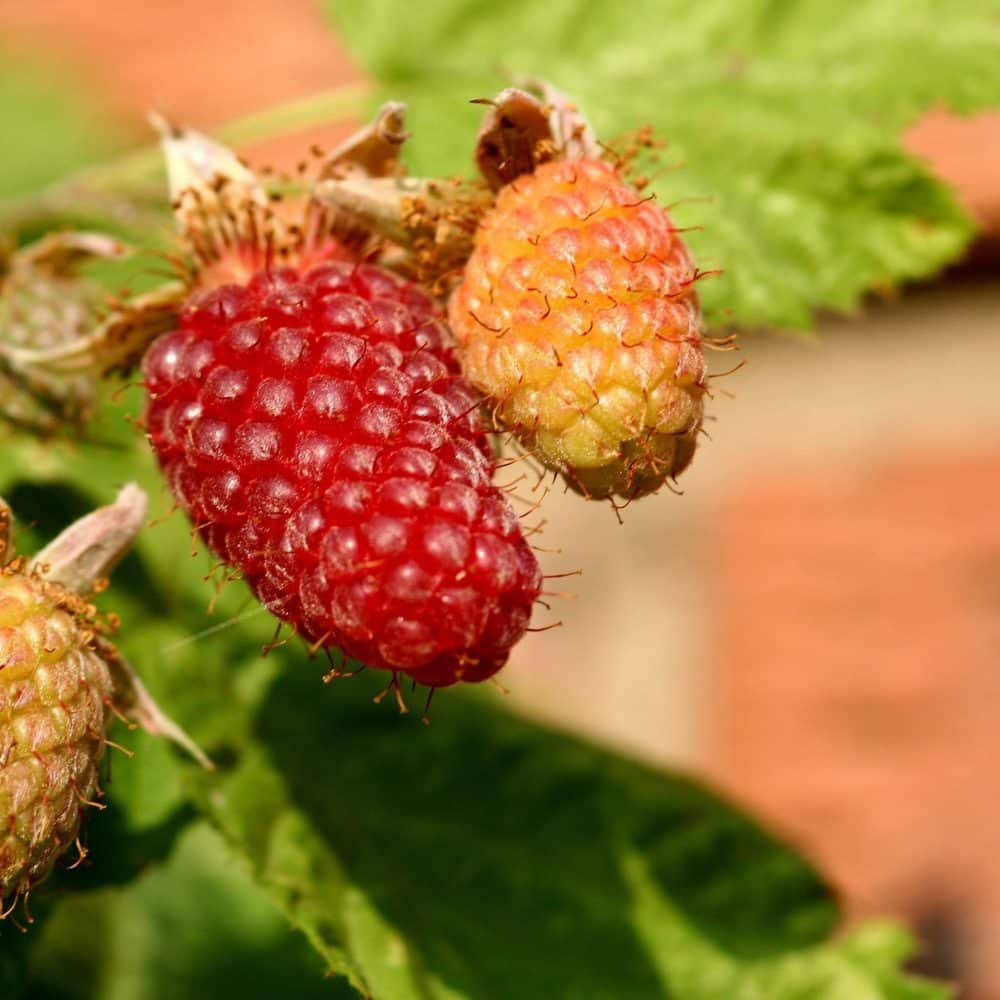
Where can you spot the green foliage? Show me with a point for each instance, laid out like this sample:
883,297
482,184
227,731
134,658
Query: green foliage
482,856
48,128
194,927
783,120
479,857
124,194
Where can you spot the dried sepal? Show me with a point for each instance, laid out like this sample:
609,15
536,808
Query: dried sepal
221,209
217,199
133,700
528,125
383,204
47,307
116,342
428,225
59,255
372,151
233,226
515,136
119,341
572,133
362,187
89,549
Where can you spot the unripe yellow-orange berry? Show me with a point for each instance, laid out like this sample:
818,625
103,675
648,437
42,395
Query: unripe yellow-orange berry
577,317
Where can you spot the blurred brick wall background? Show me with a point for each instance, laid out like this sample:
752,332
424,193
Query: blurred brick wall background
860,668
816,622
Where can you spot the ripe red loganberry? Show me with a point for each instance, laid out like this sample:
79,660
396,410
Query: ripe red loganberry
313,425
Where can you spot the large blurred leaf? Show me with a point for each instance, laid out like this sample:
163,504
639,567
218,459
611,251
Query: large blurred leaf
195,928
127,193
49,127
782,116
485,857
479,858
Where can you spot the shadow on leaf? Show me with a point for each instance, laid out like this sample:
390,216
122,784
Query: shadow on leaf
493,845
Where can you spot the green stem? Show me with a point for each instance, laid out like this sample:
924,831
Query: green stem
330,106
128,190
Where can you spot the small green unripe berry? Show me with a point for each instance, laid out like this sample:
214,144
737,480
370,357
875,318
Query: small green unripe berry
55,703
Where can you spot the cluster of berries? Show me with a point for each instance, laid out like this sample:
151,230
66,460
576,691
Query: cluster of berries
322,400
326,429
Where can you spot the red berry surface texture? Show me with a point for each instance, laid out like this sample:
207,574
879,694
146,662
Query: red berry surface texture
577,317
313,425
55,698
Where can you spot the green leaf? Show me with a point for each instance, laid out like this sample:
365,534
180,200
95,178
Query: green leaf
861,966
49,128
488,857
783,119
128,193
196,927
